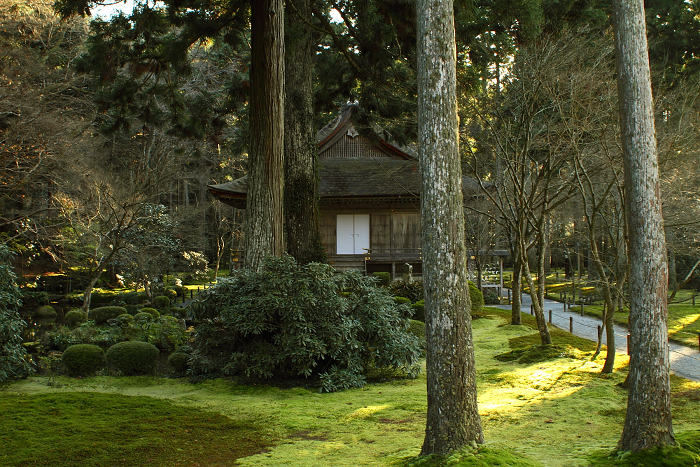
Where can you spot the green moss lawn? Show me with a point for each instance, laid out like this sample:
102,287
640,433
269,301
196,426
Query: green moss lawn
555,412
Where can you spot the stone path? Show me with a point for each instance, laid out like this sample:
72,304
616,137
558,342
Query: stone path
685,361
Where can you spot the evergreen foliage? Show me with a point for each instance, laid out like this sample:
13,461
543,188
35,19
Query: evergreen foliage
83,359
161,303
74,318
179,362
291,321
133,357
102,314
13,357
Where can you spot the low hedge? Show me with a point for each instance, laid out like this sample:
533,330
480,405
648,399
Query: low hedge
133,358
83,359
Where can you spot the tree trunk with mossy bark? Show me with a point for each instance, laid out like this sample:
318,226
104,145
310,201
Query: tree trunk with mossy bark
453,419
300,150
264,204
648,419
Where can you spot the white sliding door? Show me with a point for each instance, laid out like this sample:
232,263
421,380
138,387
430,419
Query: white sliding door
352,233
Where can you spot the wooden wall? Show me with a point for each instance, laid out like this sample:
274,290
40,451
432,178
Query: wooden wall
388,230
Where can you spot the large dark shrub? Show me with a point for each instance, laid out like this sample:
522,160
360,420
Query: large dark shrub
83,359
291,321
104,313
132,357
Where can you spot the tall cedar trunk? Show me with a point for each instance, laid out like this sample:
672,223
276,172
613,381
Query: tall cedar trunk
300,181
648,419
453,419
264,227
516,289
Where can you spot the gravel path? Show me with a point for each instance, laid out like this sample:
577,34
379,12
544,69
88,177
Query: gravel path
685,361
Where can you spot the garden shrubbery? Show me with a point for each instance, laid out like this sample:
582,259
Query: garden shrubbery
476,297
179,362
133,358
83,359
103,314
161,302
163,332
291,321
74,318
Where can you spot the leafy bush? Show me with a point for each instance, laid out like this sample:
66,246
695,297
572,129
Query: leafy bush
124,320
476,297
132,357
151,311
161,302
74,318
143,317
383,278
165,333
104,313
170,293
179,362
291,320
86,333
402,301
83,359
419,310
412,291
45,312
13,356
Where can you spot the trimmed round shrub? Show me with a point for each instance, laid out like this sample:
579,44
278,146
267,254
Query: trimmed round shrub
83,359
124,320
419,310
476,297
411,290
383,278
151,311
161,302
143,317
45,312
179,362
402,301
417,328
133,358
74,318
102,314
132,309
170,293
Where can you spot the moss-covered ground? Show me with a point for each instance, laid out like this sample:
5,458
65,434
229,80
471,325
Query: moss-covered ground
555,410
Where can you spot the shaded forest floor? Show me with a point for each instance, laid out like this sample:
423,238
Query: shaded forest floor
550,408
